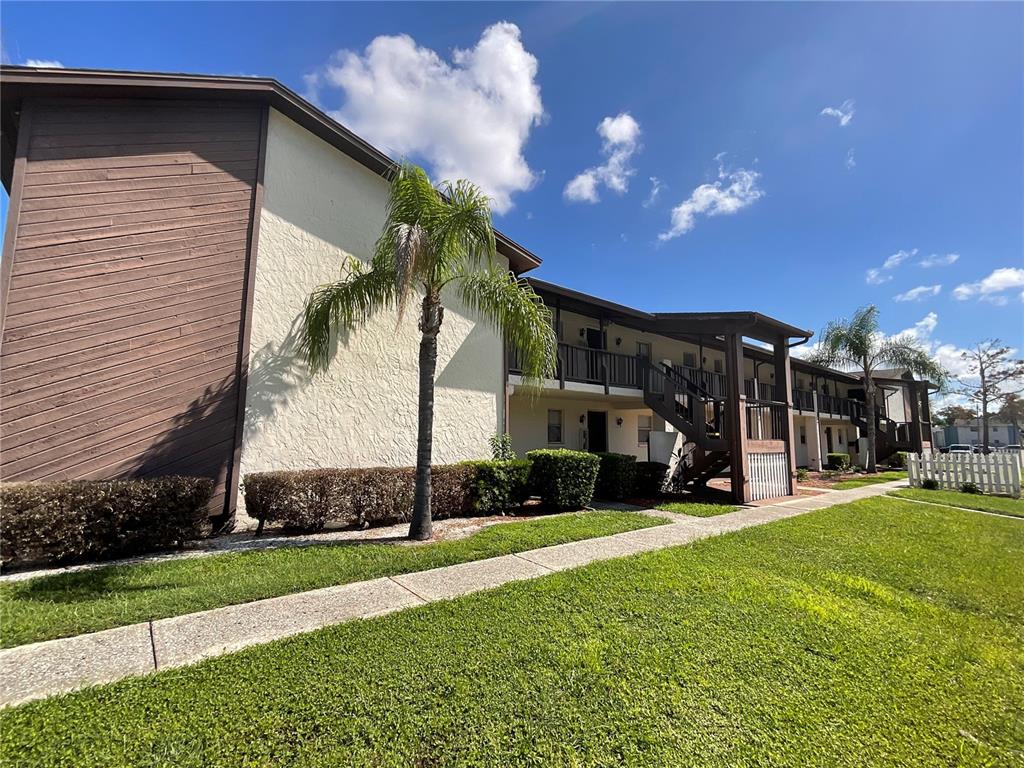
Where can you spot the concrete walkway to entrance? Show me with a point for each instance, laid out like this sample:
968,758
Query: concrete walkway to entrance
44,669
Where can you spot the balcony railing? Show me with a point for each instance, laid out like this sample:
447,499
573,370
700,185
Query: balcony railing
766,420
711,382
765,391
591,366
803,399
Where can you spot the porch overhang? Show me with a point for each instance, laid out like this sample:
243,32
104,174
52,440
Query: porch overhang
684,326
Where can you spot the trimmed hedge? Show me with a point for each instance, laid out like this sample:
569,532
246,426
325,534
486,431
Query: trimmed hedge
650,477
562,478
308,499
499,486
76,520
898,460
616,476
840,461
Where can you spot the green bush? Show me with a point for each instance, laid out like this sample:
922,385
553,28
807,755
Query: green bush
840,461
969,488
616,476
650,477
499,486
802,474
898,460
76,520
930,484
501,447
306,500
562,478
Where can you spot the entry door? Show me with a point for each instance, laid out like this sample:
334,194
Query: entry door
597,431
595,340
828,439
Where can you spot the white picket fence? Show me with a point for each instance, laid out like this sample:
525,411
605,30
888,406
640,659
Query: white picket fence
996,473
769,475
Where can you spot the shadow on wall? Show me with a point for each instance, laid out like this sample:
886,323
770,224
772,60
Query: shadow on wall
275,372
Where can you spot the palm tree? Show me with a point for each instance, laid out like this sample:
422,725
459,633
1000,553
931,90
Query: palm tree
435,242
858,344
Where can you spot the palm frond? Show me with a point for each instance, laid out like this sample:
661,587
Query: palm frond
462,233
517,313
905,352
848,343
340,306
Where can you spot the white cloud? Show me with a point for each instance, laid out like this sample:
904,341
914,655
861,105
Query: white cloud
731,192
919,293
469,118
851,161
992,288
939,260
620,140
878,275
44,63
843,113
657,186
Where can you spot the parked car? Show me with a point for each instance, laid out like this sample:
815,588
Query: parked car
961,448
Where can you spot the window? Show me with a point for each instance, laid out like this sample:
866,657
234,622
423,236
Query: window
803,435
643,429
689,360
643,349
555,427
718,366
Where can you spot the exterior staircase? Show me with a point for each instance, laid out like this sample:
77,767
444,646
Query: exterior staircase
697,414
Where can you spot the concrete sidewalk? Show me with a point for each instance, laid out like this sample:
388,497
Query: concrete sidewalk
44,669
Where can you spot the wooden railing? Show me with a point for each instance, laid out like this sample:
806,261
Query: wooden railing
803,399
713,383
591,366
766,420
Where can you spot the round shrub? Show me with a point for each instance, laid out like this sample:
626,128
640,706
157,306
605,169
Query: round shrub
499,486
898,460
840,461
930,484
562,478
970,488
650,477
616,476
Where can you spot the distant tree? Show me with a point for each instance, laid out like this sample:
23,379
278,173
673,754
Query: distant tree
992,375
858,344
952,413
1012,411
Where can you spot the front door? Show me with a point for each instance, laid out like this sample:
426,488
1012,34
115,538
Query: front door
828,439
597,431
595,340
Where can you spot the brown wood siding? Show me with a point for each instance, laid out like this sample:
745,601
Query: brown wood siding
125,298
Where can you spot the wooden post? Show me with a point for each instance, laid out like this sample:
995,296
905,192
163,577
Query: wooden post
784,393
915,417
735,418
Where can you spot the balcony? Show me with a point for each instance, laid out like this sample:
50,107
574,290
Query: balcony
591,366
843,407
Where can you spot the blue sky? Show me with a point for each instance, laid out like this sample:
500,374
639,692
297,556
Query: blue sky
765,202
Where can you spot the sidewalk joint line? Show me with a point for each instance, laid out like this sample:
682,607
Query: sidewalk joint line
152,645
534,562
958,509
410,591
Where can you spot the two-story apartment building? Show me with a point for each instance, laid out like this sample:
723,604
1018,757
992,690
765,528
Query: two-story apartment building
164,232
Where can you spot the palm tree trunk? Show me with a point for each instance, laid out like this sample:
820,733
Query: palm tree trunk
869,415
421,527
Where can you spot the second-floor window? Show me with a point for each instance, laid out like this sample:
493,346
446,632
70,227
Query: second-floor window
718,366
643,349
555,427
643,429
689,360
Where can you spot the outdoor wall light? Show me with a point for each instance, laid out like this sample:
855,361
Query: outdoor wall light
582,418
618,422
583,332
618,341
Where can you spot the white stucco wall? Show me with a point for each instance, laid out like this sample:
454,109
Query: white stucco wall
319,207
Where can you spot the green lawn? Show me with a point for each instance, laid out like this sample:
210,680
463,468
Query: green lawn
1000,504
880,633
861,480
86,601
696,510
